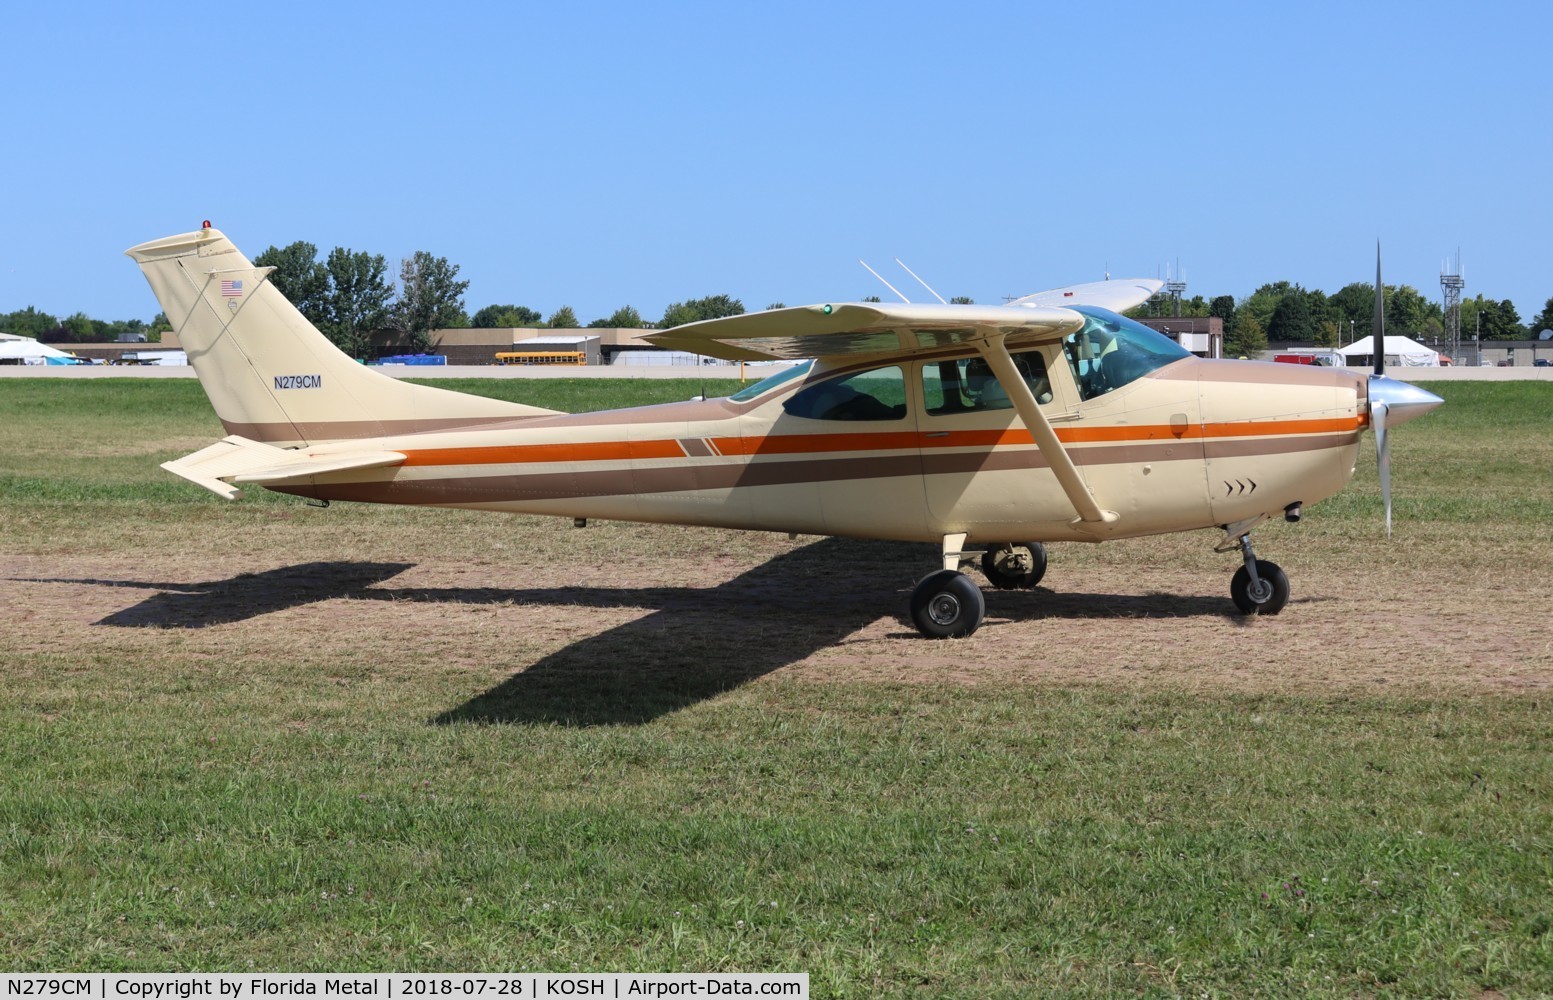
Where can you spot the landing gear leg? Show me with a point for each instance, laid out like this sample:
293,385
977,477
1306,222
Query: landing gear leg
1259,587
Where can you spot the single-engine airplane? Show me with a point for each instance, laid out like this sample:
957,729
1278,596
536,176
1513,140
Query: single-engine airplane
1052,418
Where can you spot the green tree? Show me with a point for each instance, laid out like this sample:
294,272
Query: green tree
1500,320
1249,341
28,322
1261,303
1291,319
299,277
503,317
82,328
1542,321
961,300
624,318
1223,307
783,305
563,319
430,298
357,301
695,310
1353,309
1406,310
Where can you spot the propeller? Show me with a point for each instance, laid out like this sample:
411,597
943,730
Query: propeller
1391,402
1378,412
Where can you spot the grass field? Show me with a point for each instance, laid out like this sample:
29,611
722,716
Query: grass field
264,735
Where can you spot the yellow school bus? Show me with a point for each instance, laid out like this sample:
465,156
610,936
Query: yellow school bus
541,358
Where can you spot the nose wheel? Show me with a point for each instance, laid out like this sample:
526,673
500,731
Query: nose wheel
1259,587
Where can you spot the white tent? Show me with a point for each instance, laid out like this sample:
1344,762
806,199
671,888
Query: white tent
1401,352
23,351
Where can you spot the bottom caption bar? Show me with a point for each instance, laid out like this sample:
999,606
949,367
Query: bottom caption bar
392,986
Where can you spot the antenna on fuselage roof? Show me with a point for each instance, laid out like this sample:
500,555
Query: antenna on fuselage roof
883,282
924,284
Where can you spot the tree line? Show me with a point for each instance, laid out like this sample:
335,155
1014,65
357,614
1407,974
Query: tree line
1285,311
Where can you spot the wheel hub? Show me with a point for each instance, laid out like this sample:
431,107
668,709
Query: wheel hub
944,609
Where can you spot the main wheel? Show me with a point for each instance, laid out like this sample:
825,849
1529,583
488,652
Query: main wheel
1014,565
947,605
1266,599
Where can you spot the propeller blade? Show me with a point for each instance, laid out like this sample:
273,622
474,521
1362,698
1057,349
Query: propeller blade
1392,404
1383,456
1378,327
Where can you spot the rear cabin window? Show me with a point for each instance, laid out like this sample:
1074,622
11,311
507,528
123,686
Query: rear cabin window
749,392
967,385
877,394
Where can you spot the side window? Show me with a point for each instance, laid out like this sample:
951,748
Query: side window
878,394
967,385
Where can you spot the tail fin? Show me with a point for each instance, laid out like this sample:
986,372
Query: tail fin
270,375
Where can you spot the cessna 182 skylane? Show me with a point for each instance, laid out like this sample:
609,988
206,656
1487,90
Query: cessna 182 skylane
985,429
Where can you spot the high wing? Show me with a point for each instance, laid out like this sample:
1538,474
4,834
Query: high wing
864,328
236,459
888,328
1119,295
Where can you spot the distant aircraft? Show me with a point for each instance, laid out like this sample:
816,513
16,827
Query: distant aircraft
987,430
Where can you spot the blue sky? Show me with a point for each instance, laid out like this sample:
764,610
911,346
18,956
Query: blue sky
596,155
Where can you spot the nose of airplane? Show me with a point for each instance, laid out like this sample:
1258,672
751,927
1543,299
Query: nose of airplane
1401,401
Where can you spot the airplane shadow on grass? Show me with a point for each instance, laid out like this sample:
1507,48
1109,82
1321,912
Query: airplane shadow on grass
692,644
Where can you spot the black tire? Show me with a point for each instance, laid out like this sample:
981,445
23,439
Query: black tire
994,565
1275,589
947,605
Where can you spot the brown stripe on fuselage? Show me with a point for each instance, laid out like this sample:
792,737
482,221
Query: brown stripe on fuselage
695,448
612,482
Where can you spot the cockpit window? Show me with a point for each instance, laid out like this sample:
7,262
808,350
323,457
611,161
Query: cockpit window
1112,351
967,385
877,394
749,392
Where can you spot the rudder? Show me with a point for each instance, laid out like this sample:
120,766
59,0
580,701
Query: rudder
269,373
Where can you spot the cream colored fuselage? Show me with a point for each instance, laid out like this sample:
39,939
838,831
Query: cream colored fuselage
1191,445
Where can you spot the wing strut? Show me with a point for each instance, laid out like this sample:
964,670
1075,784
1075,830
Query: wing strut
1090,516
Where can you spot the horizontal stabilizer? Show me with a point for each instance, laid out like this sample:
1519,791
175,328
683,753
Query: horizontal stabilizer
849,328
236,459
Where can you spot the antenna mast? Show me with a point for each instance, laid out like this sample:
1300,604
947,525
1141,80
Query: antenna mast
1175,288
1451,284
924,284
886,283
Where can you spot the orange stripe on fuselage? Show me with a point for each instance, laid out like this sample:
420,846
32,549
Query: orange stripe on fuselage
848,441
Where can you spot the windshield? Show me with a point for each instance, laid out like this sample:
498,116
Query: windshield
749,392
1112,351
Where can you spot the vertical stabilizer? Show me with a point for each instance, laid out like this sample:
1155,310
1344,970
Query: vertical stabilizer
270,375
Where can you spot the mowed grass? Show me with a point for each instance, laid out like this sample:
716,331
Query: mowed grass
252,774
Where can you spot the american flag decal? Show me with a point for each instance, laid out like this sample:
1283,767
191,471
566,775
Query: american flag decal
231,289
